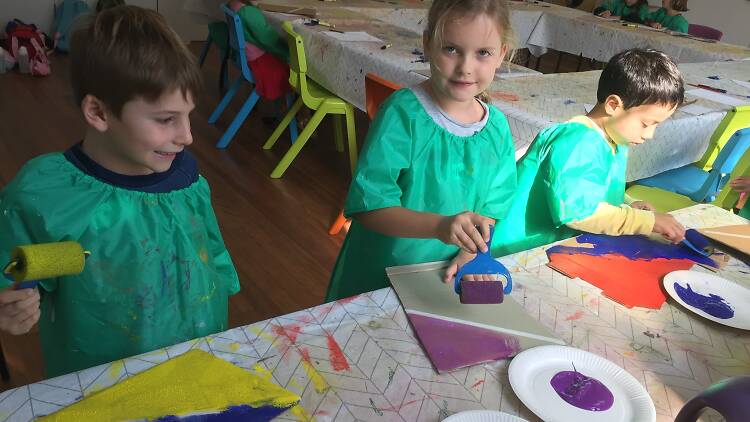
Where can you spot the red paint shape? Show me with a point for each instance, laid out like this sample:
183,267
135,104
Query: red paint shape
290,332
477,384
305,355
338,360
575,316
629,282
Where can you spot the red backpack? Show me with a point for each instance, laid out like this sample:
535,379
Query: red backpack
24,35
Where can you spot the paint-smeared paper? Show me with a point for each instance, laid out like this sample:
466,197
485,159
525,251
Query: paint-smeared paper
193,383
506,328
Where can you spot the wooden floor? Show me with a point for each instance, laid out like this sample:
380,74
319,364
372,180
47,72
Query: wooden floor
275,230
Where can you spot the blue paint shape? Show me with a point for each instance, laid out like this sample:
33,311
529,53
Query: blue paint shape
631,247
712,304
232,414
569,102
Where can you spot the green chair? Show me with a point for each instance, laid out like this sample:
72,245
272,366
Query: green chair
736,119
316,98
665,201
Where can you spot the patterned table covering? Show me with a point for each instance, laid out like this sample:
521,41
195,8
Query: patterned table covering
673,353
539,101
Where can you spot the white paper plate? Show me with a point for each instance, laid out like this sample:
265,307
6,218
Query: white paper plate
736,296
483,416
530,373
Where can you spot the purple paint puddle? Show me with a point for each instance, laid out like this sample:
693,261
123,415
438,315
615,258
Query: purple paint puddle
712,304
581,391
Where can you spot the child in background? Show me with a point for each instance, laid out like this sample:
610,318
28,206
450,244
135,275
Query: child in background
437,162
629,10
267,54
669,16
159,272
572,178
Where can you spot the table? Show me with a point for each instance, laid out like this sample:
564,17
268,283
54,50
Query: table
673,353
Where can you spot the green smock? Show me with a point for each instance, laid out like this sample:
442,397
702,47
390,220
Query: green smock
619,8
676,23
568,170
158,273
410,161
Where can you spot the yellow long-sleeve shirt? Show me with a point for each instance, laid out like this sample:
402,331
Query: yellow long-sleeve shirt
609,219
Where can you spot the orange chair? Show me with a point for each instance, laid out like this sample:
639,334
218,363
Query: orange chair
377,90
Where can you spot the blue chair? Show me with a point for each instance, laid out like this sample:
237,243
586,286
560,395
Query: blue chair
239,60
700,185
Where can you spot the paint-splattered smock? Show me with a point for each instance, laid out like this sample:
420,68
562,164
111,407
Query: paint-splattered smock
410,161
568,170
158,273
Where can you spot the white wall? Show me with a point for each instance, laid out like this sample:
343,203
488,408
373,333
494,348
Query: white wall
732,17
41,13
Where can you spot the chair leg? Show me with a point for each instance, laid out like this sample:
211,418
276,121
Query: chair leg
238,120
204,51
351,137
290,155
225,100
559,59
293,131
338,134
337,224
284,123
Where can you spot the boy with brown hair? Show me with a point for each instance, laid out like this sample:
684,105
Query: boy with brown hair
129,192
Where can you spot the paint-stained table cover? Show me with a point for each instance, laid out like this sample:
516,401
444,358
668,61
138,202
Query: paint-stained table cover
358,359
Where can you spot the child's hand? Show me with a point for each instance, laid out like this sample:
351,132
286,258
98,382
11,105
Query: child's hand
461,230
642,205
741,184
656,25
19,310
605,14
667,226
459,261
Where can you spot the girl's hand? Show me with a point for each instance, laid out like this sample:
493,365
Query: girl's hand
741,184
461,230
458,261
605,14
656,25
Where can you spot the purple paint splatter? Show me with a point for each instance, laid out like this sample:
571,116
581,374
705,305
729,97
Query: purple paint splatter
712,304
581,391
232,414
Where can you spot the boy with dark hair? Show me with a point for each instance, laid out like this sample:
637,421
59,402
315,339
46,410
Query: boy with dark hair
159,272
572,178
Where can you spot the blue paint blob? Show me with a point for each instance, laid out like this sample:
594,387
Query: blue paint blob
631,247
712,304
232,414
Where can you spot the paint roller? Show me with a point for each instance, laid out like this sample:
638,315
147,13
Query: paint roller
31,263
483,292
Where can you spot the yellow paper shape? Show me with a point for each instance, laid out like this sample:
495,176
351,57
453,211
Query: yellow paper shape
194,382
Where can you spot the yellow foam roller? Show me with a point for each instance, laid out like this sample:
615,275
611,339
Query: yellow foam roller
47,260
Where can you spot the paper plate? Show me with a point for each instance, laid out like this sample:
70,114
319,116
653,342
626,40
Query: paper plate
530,373
483,416
727,306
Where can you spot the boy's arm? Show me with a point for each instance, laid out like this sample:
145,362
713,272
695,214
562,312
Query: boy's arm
616,221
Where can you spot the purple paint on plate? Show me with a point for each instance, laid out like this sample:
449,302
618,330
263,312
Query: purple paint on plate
581,391
481,292
453,345
712,304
